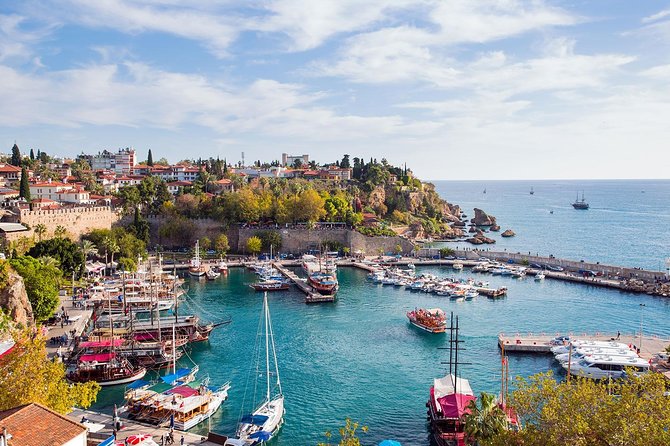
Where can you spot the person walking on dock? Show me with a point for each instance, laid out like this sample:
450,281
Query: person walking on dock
618,335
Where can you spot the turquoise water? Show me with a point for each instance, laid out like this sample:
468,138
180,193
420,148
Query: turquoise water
628,222
360,358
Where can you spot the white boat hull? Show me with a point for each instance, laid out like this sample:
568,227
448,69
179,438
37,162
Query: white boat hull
139,375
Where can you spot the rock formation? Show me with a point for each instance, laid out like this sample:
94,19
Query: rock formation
481,218
508,233
14,299
480,238
495,228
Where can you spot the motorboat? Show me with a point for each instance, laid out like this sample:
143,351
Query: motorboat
432,320
212,274
606,366
270,285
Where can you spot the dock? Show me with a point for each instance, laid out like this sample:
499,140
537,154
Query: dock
540,343
311,296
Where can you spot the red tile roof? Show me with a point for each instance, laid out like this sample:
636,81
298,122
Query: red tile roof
7,168
35,425
223,181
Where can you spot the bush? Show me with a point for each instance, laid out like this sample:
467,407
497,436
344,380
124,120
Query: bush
376,231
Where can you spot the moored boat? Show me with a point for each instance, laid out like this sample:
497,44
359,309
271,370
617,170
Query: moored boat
212,274
107,369
432,320
196,268
324,283
270,285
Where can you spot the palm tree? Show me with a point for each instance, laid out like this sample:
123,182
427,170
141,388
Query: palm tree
40,230
485,421
111,247
88,248
60,231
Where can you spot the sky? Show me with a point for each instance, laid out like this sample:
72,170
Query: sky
457,89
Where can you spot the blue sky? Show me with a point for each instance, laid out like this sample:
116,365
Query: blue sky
458,89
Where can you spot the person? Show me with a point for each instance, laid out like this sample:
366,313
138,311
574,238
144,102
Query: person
162,443
618,335
170,437
181,442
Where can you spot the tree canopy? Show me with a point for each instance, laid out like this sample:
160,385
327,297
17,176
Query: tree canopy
254,245
28,376
69,254
42,282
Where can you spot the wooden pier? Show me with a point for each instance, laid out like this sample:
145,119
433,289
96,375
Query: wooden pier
311,296
540,343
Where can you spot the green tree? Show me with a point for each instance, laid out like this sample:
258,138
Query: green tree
16,156
345,162
60,231
150,159
269,238
42,280
310,206
127,264
24,187
446,252
32,155
254,245
40,230
348,434
111,248
584,412
221,244
141,226
485,420
68,254
205,243
28,376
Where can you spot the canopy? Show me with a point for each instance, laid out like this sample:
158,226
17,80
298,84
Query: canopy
455,405
99,357
261,435
169,379
102,344
258,420
108,442
445,386
138,384
389,443
184,391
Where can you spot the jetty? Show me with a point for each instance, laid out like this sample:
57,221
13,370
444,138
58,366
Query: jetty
311,296
539,343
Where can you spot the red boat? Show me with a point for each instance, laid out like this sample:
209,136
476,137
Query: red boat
324,283
432,320
449,399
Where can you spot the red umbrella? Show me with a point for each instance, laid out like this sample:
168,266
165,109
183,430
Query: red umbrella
138,439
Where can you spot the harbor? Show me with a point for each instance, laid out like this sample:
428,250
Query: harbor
311,295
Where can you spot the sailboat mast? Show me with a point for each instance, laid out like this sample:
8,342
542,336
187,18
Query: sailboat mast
267,346
174,351
274,351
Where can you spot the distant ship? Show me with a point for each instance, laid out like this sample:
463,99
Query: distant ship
580,204
531,190
484,191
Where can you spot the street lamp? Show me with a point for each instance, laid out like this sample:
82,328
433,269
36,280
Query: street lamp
641,321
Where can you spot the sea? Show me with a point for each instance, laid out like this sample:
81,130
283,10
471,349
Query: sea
358,358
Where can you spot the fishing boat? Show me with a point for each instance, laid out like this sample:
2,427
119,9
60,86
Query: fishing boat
432,320
457,266
531,190
196,268
212,274
223,266
270,285
263,424
449,399
580,204
539,276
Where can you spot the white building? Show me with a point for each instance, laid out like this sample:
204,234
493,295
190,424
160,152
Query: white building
60,192
121,162
289,160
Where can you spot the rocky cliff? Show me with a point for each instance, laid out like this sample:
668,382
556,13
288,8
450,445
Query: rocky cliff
14,299
481,218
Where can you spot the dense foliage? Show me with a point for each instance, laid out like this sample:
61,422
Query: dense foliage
65,251
42,281
117,241
584,412
28,376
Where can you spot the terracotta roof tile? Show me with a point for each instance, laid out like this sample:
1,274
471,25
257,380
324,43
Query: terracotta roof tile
35,425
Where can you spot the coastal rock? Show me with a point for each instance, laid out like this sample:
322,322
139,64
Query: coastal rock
495,228
508,233
474,241
481,218
460,224
14,299
480,239
473,229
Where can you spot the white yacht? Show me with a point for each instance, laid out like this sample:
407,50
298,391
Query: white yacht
560,349
605,366
578,354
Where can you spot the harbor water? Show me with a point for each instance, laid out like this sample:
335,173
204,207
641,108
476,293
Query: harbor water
360,358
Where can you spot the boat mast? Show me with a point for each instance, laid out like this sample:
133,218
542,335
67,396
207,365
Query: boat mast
174,289
174,351
267,346
274,351
158,308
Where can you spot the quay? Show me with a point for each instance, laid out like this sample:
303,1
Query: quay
540,343
79,317
130,427
311,296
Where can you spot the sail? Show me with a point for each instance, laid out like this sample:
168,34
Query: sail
445,386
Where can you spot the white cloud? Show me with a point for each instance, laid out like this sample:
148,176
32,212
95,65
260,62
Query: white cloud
657,16
15,40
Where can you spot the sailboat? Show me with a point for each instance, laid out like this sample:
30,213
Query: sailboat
580,204
264,423
196,268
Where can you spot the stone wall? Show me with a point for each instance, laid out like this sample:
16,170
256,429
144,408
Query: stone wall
298,241
77,220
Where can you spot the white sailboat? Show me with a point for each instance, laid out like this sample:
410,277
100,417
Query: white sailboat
264,423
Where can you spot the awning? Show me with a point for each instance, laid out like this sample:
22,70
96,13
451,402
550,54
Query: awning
137,384
184,391
102,344
261,435
98,357
455,404
258,420
169,379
